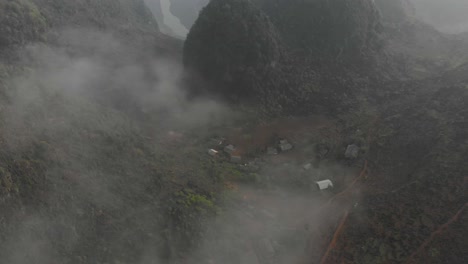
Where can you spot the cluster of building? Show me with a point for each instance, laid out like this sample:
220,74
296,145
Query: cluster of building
234,155
224,149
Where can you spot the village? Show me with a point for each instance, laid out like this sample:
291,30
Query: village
228,152
295,175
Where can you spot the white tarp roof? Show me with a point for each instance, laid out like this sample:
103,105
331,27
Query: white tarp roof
212,152
325,184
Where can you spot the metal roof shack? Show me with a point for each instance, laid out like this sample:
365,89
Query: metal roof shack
325,184
212,152
307,166
229,149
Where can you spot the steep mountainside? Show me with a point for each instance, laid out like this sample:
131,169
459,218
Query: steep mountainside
342,30
75,179
414,202
21,22
312,48
42,20
405,107
396,11
131,16
419,50
234,45
47,22
116,15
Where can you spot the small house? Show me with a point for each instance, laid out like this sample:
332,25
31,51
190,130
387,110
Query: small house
352,152
285,147
307,166
325,184
229,149
212,152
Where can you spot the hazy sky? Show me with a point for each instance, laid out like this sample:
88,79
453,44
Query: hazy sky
446,15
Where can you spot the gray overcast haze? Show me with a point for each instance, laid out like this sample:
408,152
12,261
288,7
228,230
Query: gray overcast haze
446,15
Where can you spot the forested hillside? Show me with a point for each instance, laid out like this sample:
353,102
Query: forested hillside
317,131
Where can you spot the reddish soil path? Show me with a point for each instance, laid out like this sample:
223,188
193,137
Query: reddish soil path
341,226
439,231
336,236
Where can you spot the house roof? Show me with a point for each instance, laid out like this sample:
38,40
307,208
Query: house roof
325,184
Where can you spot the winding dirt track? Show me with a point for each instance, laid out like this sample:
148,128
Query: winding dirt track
440,230
336,236
341,226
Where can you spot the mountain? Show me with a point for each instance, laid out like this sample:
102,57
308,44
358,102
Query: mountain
113,134
243,52
282,52
76,79
421,50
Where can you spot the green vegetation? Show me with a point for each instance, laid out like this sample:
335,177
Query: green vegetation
235,46
189,214
107,182
21,21
120,15
332,30
6,182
